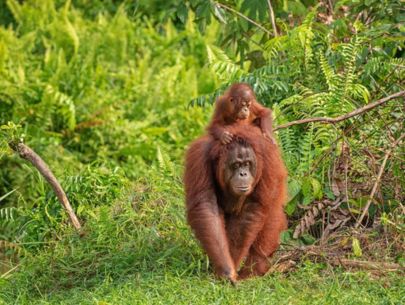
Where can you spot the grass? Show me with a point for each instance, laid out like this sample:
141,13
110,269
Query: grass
140,251
307,286
311,284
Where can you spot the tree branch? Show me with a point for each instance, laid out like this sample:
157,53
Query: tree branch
272,18
345,116
243,16
377,181
28,154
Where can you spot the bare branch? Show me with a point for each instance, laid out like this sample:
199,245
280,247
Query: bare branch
367,265
377,181
272,18
345,116
28,154
230,9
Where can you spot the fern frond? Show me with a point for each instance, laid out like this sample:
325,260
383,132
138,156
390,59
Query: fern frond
14,247
289,146
7,213
222,64
63,108
358,91
349,53
328,72
306,150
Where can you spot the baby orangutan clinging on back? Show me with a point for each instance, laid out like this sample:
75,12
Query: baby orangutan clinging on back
239,105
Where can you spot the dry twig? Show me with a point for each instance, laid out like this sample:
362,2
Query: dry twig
369,265
377,181
28,154
272,18
346,116
332,254
230,9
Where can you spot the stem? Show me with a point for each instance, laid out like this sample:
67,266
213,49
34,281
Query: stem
28,154
243,17
272,18
345,116
377,181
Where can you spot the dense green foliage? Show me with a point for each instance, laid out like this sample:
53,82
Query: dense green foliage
98,105
109,94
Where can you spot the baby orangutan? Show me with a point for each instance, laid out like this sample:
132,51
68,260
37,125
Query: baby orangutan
239,105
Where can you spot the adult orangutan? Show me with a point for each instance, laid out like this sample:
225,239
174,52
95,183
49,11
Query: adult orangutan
235,195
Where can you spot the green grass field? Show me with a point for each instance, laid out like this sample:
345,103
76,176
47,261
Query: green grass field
142,252
309,285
